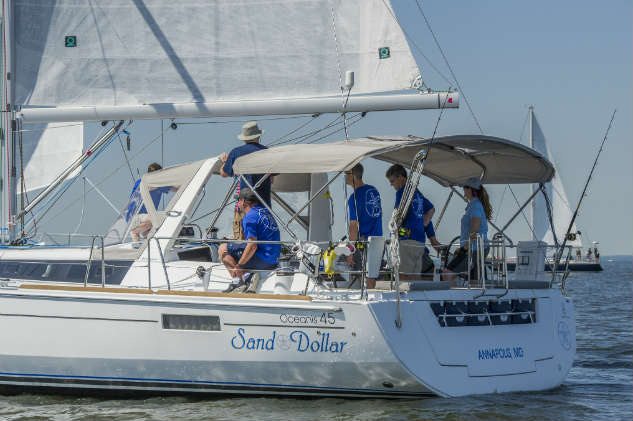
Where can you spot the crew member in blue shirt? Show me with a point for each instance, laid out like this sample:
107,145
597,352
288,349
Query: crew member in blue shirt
474,223
251,135
143,224
257,224
365,213
412,235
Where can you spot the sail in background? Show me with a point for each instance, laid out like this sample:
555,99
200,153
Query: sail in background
561,211
130,52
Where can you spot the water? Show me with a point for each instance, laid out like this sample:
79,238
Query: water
599,386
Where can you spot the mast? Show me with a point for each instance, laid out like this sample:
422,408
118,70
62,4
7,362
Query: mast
533,204
9,180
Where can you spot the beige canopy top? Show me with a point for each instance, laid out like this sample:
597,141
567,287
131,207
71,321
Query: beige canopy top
451,159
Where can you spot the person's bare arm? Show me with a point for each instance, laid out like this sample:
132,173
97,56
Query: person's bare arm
426,218
353,230
436,244
223,158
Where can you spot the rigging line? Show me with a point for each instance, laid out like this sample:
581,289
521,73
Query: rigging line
125,156
338,55
548,207
162,146
103,180
83,208
334,123
450,68
352,122
501,202
412,41
304,137
22,186
183,123
301,126
522,211
56,196
584,190
345,114
340,76
211,212
6,117
525,120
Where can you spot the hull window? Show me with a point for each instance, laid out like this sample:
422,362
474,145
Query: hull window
191,322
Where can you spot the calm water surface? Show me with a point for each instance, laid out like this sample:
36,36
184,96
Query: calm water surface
599,386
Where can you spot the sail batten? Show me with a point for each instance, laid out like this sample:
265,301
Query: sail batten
74,53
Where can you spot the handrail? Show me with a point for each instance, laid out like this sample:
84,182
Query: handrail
103,280
89,264
149,266
162,259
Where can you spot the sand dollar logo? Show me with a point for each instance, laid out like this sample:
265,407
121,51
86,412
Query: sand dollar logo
418,205
267,221
283,342
564,335
372,203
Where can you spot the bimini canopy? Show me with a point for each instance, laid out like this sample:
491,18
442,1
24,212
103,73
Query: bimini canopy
451,160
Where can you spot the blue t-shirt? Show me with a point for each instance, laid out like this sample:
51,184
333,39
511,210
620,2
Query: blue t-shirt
414,220
366,200
264,189
136,200
474,209
259,224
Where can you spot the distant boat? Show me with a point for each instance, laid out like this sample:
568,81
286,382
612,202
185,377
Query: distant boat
561,215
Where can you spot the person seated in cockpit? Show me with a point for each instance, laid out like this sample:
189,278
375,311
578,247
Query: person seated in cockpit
239,258
142,223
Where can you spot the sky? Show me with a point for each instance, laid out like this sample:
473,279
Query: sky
571,60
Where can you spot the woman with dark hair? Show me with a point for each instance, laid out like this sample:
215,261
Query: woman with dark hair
473,223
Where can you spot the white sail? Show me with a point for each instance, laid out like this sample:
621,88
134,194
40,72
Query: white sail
47,150
561,211
72,53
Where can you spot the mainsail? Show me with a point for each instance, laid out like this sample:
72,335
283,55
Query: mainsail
124,53
561,211
80,60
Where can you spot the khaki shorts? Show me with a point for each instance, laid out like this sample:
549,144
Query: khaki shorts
411,252
238,231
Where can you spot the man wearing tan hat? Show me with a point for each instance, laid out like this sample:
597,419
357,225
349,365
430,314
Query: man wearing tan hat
250,134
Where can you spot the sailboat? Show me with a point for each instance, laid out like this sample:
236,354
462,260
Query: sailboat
561,214
132,317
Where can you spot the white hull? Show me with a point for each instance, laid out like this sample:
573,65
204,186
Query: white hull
117,342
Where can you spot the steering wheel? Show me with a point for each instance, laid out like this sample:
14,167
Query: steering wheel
446,251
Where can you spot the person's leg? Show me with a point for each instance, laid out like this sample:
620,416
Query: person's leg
141,229
457,265
258,267
230,254
225,257
410,260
